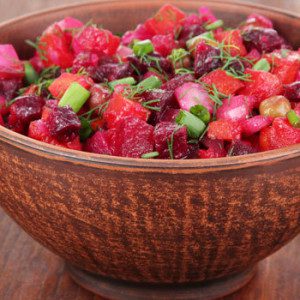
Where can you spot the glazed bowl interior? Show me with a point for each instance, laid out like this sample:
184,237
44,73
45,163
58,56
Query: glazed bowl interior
120,16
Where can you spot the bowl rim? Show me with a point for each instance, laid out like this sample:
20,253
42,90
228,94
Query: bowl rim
162,165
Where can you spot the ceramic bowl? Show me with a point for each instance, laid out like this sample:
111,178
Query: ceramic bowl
150,229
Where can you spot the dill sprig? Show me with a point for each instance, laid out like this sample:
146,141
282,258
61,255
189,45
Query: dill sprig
170,142
99,108
177,56
148,105
228,60
36,45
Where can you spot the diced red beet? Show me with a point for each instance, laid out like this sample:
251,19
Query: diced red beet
134,138
191,94
112,71
102,142
262,85
253,55
167,20
140,33
235,108
258,20
63,123
59,86
99,95
131,137
292,91
54,49
68,25
163,133
24,110
169,115
177,81
1,121
286,70
37,62
215,149
192,26
263,39
255,124
97,124
232,41
224,83
87,60
280,134
10,65
4,110
206,59
210,153
140,66
224,130
166,100
50,104
164,44
120,108
206,15
92,39
151,73
38,130
239,147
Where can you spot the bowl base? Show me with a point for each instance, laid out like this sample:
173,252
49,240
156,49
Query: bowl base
120,290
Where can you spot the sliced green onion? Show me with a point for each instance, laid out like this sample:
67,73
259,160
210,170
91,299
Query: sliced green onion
149,83
208,36
150,154
85,130
141,48
215,25
293,118
127,80
194,125
284,53
200,112
31,75
75,96
262,65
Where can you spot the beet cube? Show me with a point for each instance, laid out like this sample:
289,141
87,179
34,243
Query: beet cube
206,59
63,123
134,138
24,110
163,140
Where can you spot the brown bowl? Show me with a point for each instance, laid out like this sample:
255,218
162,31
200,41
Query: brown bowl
150,229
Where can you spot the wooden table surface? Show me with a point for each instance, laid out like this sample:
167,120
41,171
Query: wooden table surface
30,272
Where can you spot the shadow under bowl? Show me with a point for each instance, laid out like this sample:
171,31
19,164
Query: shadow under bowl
194,227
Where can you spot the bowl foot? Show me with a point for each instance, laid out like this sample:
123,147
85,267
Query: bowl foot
120,290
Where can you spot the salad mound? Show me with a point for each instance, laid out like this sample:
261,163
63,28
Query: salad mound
177,86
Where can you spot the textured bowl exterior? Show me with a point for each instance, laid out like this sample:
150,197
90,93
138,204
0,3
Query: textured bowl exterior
143,221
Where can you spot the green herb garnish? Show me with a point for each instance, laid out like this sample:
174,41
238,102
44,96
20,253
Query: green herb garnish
262,65
148,105
150,155
127,80
75,96
214,25
194,125
293,118
31,75
200,112
142,48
